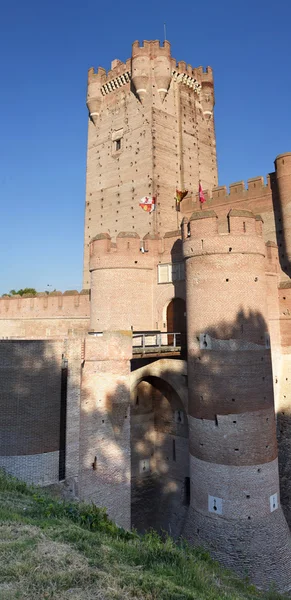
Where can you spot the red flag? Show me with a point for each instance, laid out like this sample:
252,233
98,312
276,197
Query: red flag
201,194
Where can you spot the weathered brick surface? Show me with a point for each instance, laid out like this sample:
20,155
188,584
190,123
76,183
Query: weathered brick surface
104,470
167,142
44,316
151,130
30,375
233,448
159,458
257,548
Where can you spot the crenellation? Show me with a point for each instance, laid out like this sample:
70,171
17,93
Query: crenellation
43,304
185,445
102,73
150,48
236,188
255,183
182,66
219,192
254,191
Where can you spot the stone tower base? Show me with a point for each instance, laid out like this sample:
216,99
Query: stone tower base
259,549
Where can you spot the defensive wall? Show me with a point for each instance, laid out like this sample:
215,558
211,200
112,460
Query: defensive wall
45,315
76,419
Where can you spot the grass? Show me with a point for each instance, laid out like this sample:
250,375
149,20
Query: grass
53,549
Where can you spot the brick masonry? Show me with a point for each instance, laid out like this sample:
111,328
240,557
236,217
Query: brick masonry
137,431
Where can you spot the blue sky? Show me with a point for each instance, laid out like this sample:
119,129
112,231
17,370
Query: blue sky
45,51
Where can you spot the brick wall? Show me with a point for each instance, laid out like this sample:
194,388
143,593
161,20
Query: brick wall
167,141
30,374
44,316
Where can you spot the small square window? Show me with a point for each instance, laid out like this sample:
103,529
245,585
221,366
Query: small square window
118,144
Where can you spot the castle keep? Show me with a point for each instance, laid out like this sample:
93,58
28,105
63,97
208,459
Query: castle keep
162,390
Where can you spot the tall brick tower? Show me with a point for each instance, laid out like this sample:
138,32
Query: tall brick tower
150,132
235,502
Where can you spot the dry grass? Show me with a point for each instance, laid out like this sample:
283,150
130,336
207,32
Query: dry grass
53,550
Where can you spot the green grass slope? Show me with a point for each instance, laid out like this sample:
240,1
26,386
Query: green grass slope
54,549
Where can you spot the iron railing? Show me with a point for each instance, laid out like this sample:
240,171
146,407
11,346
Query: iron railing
154,341
147,341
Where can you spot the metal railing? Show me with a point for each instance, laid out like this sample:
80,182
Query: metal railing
157,341
146,342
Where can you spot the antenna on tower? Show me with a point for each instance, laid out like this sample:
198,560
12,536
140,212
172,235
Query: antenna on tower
165,32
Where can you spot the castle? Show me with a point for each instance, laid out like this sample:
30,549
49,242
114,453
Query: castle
152,391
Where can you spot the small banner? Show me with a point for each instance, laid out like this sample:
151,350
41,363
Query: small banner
148,203
201,194
180,194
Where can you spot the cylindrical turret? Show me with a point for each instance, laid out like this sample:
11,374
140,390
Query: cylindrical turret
121,277
235,505
94,96
162,69
140,69
207,93
283,177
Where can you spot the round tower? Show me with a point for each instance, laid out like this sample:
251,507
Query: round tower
121,280
207,93
235,505
94,96
283,177
162,69
140,68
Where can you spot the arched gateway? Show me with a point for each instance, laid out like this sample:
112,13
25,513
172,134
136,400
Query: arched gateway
159,446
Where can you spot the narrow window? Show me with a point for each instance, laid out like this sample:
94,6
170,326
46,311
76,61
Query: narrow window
186,491
117,144
174,450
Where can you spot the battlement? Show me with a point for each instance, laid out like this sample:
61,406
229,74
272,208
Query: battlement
254,188
151,48
118,68
102,82
201,236
43,305
130,250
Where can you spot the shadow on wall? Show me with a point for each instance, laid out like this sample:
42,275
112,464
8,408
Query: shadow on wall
32,414
284,451
159,457
233,382
231,387
176,311
279,226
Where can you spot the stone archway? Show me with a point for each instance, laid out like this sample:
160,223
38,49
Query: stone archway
159,449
